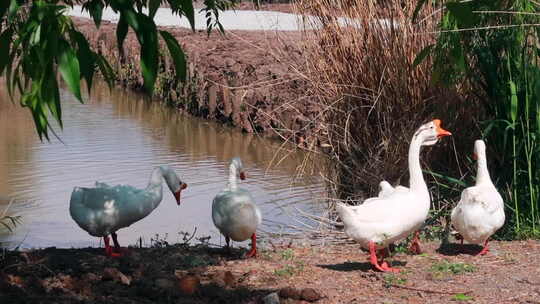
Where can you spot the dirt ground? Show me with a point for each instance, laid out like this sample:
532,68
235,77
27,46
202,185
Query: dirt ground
337,273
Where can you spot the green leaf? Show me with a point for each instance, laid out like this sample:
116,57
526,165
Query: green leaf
106,70
31,100
87,59
422,55
447,178
36,36
4,5
461,297
121,33
463,13
132,19
95,9
513,100
177,55
5,40
13,8
189,12
153,6
68,64
146,32
221,29
50,94
418,8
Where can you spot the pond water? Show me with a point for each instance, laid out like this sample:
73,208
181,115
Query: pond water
117,137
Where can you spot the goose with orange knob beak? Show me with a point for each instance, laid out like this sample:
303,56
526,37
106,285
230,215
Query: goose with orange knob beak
398,212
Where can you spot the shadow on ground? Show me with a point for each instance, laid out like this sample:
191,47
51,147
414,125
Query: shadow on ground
170,274
357,266
453,249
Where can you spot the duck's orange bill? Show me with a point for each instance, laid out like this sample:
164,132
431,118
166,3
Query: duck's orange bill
440,131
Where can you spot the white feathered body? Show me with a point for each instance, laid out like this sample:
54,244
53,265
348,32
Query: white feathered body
387,219
479,213
235,214
105,209
397,211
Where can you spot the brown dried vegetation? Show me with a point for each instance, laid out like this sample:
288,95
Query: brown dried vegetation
361,73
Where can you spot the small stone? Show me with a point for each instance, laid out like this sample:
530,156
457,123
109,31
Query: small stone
189,284
311,295
229,279
291,293
115,275
272,298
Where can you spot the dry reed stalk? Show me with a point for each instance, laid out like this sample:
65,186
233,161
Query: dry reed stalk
361,75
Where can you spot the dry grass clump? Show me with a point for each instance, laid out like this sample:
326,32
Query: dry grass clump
360,68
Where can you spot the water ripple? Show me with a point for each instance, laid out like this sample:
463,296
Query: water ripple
118,138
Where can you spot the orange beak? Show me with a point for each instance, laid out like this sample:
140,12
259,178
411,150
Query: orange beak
440,131
177,193
242,175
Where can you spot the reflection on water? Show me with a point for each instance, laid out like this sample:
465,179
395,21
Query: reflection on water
118,138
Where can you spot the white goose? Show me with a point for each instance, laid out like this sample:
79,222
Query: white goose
234,211
382,220
385,189
102,210
480,211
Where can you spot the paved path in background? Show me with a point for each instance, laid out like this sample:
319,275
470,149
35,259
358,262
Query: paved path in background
231,20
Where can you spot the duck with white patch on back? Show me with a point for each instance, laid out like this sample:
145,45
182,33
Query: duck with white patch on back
383,220
104,209
234,211
480,211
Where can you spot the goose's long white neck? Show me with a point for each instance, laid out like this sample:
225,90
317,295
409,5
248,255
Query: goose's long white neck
155,186
482,173
233,185
416,182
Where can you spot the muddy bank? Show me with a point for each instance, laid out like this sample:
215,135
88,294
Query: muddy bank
244,78
297,274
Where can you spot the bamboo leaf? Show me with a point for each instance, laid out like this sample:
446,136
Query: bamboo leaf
68,65
513,101
153,6
422,55
95,9
177,55
447,178
189,12
50,94
121,33
87,58
146,31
